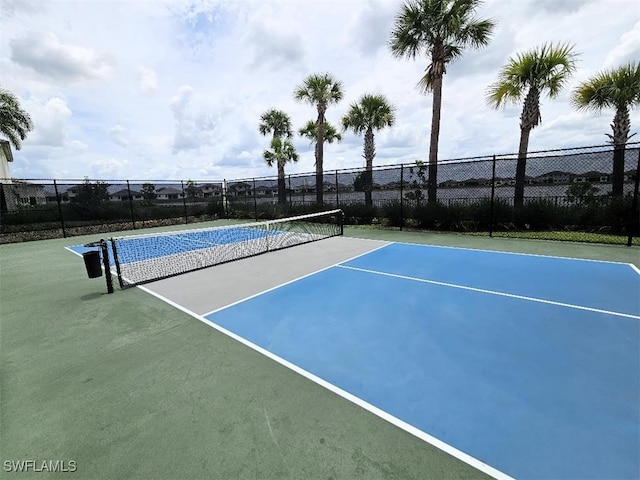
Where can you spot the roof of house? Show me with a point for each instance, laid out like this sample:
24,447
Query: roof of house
167,191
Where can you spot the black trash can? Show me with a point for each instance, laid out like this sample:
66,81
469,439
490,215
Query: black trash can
92,263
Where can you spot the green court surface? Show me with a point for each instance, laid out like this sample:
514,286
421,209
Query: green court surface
127,386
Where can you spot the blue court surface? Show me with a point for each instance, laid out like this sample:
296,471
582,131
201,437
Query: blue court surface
525,366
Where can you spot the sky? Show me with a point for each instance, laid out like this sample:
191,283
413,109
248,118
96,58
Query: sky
174,89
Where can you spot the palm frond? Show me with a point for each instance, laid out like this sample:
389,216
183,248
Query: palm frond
319,88
276,122
547,68
441,29
15,123
609,89
310,131
371,111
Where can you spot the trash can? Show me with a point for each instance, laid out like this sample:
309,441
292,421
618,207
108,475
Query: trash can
92,263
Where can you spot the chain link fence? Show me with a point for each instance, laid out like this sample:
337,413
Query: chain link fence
582,194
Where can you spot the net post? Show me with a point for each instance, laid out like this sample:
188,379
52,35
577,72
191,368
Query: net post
493,195
266,235
634,222
116,262
58,201
105,262
341,221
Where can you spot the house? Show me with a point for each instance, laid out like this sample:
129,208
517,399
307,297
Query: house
344,187
16,193
122,195
266,190
239,189
7,200
5,157
555,177
169,193
305,188
211,190
449,184
476,182
19,193
505,181
591,177
328,186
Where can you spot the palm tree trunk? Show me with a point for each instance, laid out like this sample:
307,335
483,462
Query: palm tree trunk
529,118
521,167
282,190
319,156
432,182
620,126
369,154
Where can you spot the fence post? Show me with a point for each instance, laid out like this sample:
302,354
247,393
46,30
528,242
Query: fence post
55,187
290,200
255,200
493,196
337,194
401,196
133,218
184,203
634,223
225,203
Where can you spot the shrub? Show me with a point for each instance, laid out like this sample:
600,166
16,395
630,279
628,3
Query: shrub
539,214
394,211
358,214
481,213
437,216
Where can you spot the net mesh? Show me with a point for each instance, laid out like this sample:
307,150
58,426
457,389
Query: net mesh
145,258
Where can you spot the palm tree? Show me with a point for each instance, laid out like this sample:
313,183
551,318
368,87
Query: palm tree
310,131
15,123
275,122
617,89
320,90
281,153
278,123
372,112
441,29
331,134
542,70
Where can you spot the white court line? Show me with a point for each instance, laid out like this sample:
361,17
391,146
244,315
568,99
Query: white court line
491,292
454,452
299,278
636,269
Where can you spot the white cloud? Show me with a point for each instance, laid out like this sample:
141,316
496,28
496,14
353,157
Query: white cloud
110,168
45,54
119,135
148,80
175,88
627,49
50,122
194,124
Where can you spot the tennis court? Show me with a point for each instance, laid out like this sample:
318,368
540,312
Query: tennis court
522,366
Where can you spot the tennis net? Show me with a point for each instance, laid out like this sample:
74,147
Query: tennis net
144,258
